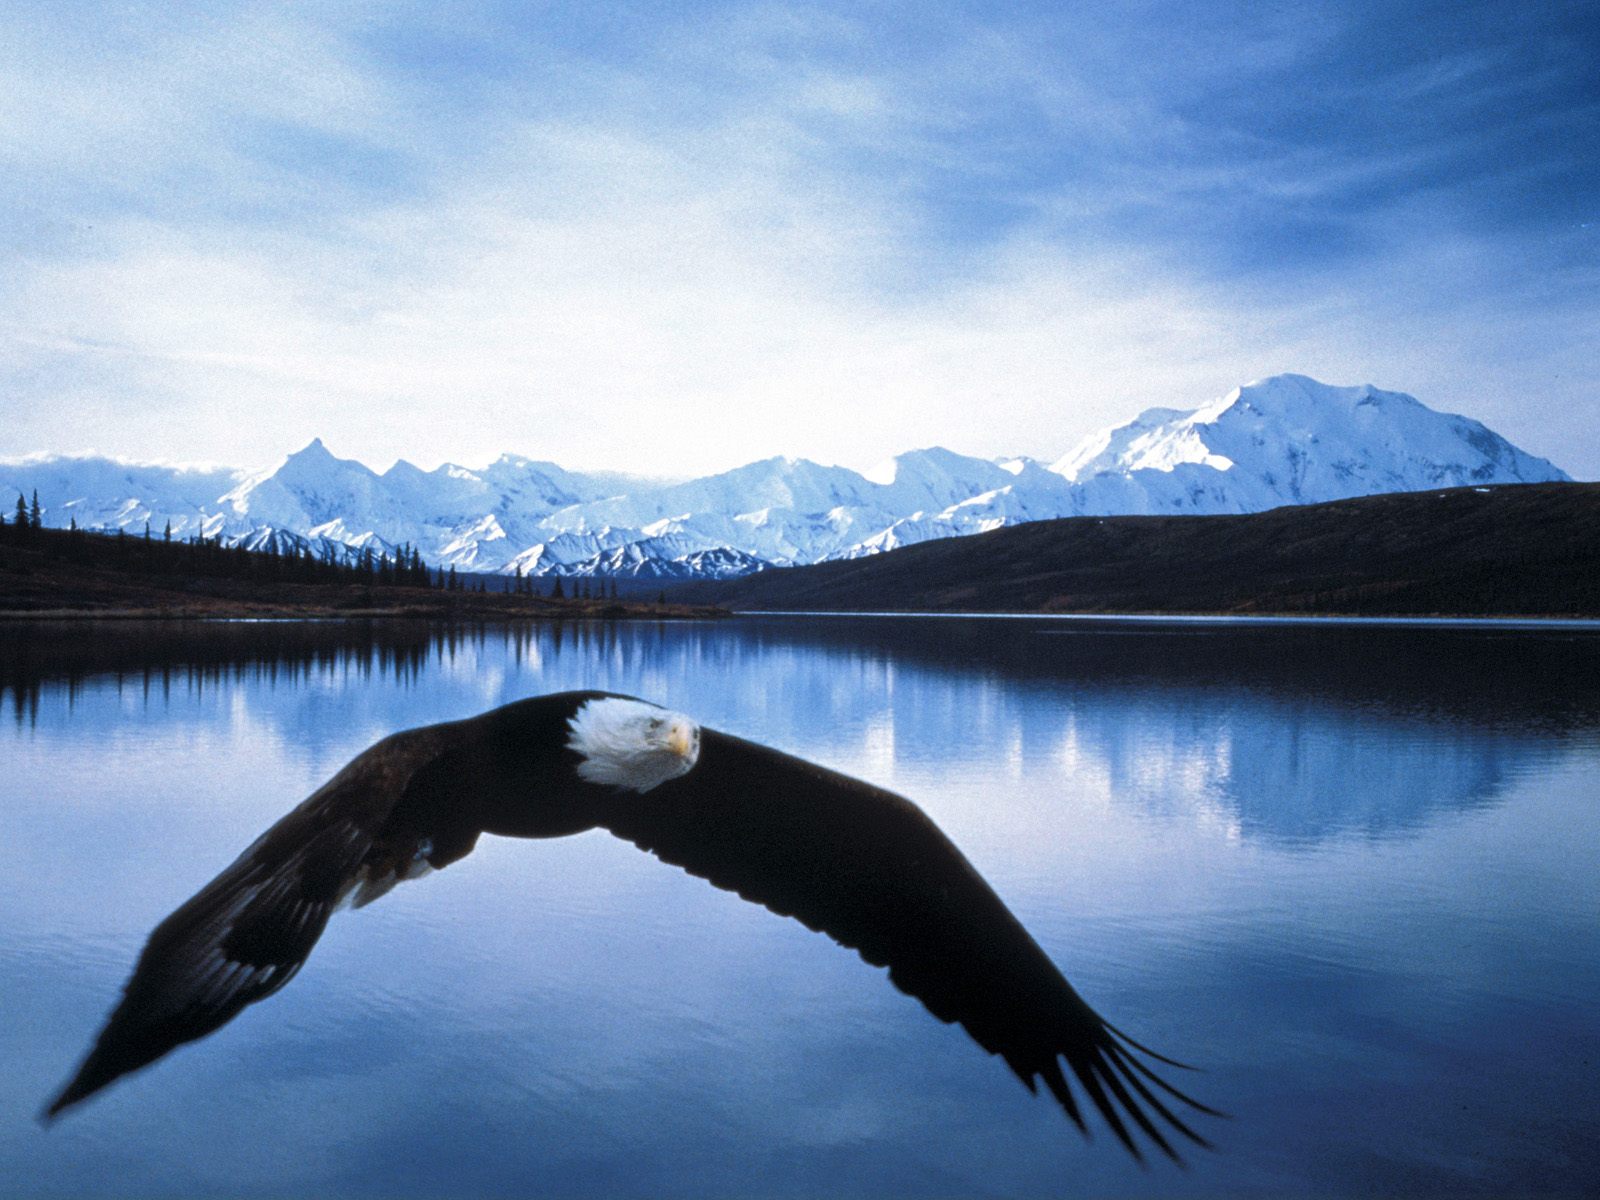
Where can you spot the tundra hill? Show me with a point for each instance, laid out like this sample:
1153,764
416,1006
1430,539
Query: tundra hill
73,573
1528,549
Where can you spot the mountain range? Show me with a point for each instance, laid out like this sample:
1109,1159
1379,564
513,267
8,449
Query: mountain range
1284,440
1523,550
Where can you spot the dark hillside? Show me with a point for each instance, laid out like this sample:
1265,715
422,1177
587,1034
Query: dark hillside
1530,549
61,572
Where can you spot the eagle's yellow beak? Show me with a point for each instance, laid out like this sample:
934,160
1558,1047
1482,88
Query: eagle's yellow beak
678,741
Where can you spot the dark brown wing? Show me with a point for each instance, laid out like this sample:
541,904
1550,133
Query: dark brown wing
247,932
873,872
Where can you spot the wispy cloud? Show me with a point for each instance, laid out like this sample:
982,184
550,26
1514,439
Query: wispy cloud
674,244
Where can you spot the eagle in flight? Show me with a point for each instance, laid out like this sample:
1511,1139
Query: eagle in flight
858,863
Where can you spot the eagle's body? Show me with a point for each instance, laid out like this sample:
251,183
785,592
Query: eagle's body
863,865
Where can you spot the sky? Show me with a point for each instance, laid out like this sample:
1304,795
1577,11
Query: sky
671,239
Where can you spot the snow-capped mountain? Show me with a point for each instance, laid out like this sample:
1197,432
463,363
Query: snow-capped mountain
1283,440
1288,440
321,547
102,493
471,519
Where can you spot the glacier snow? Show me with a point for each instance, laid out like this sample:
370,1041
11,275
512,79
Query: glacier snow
1283,440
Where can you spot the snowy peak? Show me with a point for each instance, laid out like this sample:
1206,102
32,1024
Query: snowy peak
780,482
311,487
935,462
1289,439
936,478
313,451
1283,440
316,462
1105,450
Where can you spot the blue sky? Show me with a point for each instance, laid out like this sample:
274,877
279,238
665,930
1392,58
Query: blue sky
673,240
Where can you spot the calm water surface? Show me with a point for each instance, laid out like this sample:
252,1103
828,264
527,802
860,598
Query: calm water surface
1350,871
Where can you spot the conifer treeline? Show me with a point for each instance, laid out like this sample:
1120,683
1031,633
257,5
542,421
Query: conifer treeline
205,557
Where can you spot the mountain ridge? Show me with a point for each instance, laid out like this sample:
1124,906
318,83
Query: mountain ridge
1283,439
1508,550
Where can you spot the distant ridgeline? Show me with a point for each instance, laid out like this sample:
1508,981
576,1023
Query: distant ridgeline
1283,440
55,570
1514,550
210,558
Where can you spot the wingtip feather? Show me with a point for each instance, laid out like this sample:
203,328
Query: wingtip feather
1145,1050
1057,1083
1156,1103
1083,1069
78,1090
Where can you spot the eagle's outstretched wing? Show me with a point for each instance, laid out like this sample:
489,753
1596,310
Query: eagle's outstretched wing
861,864
873,872
245,934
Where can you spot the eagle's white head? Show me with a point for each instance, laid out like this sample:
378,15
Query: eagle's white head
631,744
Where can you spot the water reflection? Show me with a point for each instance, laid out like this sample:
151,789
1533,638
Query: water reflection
1349,871
1283,733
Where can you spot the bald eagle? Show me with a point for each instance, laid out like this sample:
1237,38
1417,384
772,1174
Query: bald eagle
863,865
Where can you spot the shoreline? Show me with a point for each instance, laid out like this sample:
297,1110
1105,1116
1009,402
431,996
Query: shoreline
1435,620
608,612
687,612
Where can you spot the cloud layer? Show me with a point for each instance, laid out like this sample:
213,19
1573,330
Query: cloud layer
670,244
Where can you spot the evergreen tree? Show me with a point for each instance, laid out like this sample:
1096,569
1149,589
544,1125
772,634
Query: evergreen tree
557,593
34,518
22,512
450,580
166,534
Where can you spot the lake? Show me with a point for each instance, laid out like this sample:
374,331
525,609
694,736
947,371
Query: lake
1350,871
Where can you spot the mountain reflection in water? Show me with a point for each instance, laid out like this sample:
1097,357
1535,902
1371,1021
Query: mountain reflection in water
1292,733
1348,870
